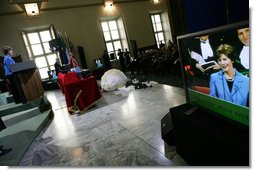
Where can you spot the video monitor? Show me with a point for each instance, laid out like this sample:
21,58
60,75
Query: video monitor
98,62
51,73
215,67
65,68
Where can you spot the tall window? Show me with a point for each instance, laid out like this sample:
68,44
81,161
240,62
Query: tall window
37,46
114,36
158,28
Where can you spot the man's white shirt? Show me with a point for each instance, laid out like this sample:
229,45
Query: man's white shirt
244,57
206,49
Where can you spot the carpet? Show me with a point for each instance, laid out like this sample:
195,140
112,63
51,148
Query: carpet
22,127
10,108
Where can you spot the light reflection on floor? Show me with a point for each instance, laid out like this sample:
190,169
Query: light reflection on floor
121,130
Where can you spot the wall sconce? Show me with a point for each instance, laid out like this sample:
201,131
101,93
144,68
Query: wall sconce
32,9
155,2
108,5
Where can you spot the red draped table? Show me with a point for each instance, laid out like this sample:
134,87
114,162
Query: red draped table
80,92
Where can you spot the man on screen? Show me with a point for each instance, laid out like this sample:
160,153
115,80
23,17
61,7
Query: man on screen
243,49
228,84
202,51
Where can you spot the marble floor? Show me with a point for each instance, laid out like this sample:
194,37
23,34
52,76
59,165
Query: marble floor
122,129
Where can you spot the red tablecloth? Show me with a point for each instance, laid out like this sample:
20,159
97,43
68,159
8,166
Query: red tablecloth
81,92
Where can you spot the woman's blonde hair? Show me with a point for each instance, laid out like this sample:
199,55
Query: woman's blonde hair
226,50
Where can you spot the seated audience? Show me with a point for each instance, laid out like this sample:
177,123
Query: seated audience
106,60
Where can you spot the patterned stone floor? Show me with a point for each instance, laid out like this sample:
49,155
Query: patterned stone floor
122,129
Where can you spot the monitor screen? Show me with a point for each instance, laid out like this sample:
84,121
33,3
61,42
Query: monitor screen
66,68
215,67
98,62
51,73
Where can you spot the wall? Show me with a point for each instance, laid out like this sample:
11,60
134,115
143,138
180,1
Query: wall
80,20
189,16
201,15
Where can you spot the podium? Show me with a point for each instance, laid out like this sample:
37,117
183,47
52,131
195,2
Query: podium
27,81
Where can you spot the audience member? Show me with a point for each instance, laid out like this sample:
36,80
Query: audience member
127,58
58,66
121,59
161,45
106,60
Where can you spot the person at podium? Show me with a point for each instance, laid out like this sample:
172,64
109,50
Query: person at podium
7,62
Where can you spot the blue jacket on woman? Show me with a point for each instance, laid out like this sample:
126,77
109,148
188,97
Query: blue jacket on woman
7,62
240,89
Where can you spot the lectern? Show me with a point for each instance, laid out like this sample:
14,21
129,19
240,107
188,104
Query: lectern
27,81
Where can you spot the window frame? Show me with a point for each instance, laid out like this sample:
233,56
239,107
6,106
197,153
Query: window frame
28,46
119,40
154,25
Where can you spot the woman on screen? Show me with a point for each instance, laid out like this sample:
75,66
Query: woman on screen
228,84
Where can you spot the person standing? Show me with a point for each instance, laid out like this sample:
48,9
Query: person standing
127,58
8,61
106,60
121,59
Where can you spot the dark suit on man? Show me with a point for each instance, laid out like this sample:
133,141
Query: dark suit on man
238,49
195,46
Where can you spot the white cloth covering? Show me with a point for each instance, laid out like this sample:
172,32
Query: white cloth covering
113,79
